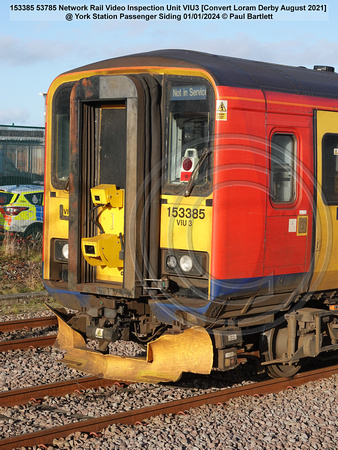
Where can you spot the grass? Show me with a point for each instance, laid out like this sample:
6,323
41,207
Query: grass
18,246
21,272
27,305
20,265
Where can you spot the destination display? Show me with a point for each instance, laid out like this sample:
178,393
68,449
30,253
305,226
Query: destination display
178,93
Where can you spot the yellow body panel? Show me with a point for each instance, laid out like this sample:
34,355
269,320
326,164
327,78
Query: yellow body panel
326,246
55,222
186,223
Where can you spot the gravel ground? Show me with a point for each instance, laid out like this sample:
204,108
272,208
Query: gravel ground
4,318
303,418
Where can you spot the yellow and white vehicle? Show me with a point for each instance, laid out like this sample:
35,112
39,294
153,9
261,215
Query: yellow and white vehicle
21,210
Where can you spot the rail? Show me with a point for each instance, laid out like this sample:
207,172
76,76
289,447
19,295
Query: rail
12,325
24,344
24,395
25,324
23,296
47,436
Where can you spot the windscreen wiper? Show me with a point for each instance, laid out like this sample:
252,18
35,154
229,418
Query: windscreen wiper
190,184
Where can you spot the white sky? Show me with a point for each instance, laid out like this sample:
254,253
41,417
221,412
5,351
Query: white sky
34,52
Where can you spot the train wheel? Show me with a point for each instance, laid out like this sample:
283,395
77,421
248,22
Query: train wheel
277,346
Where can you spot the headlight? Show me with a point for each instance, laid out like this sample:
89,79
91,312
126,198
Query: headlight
186,263
65,251
61,250
171,262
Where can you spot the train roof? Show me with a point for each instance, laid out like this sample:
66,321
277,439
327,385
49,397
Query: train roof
235,72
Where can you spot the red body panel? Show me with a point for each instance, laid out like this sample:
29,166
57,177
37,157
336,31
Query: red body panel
253,238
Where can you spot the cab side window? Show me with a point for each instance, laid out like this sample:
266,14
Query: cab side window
282,179
330,168
61,137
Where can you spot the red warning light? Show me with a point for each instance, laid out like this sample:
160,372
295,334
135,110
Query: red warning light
187,164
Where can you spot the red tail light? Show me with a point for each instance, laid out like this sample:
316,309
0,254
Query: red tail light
14,210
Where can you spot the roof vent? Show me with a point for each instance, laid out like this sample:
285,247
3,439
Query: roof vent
324,68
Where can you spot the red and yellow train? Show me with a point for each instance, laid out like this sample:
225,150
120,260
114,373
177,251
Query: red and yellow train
191,205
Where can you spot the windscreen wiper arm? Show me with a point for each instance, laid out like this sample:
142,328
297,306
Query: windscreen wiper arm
190,184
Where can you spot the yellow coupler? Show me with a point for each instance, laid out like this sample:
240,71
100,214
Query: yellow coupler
167,357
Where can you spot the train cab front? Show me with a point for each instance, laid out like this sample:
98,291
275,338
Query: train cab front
127,237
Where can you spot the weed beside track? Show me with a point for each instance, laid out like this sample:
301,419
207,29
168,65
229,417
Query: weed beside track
20,265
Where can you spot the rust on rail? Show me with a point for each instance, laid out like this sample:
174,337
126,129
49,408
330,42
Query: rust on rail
12,325
138,415
24,344
24,395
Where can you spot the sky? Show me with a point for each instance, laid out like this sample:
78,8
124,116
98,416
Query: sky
37,47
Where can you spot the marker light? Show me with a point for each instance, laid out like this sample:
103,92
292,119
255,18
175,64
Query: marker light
187,164
61,250
171,262
65,251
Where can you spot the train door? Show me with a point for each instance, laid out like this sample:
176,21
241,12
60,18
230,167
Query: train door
326,244
108,167
287,253
115,141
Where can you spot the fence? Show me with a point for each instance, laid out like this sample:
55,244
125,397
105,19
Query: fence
21,154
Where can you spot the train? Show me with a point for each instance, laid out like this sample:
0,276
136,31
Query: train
191,207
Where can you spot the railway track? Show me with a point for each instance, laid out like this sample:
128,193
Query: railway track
27,324
13,325
36,393
24,344
8,298
94,425
46,436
